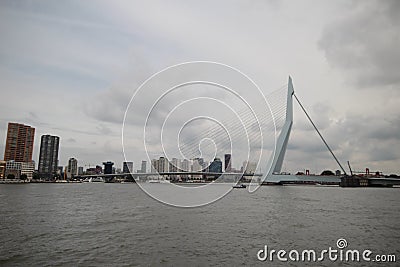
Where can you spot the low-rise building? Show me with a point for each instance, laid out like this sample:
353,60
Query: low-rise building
17,169
2,169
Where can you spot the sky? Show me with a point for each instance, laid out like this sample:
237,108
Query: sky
70,68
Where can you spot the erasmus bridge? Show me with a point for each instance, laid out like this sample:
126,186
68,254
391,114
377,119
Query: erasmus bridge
281,106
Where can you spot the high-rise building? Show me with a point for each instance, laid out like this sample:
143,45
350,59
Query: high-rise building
163,164
174,165
203,164
48,156
80,170
197,167
72,168
144,167
185,166
228,163
108,167
60,171
19,142
154,166
127,167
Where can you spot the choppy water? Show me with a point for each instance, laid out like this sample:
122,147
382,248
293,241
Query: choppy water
119,225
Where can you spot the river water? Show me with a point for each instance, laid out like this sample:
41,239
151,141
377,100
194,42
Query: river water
94,224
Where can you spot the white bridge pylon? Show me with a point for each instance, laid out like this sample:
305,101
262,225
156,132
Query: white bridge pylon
283,138
274,175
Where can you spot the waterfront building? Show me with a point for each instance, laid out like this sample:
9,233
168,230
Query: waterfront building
98,169
18,150
27,168
185,166
144,167
154,166
163,164
108,167
48,156
60,172
174,165
19,142
80,170
72,168
13,169
228,162
2,169
127,167
197,167
90,171
216,166
65,176
203,164
19,169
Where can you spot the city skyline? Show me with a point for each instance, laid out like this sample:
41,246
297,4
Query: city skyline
19,149
77,65
48,162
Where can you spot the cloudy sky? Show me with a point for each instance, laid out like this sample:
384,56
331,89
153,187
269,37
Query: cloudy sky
69,68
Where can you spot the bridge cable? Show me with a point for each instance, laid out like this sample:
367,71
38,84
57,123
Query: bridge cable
320,135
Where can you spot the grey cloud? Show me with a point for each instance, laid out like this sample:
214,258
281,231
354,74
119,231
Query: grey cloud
309,142
33,114
109,106
383,153
104,129
320,113
365,140
368,127
364,43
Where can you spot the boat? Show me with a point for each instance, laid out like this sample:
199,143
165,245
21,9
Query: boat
326,185
239,186
158,181
93,180
96,180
